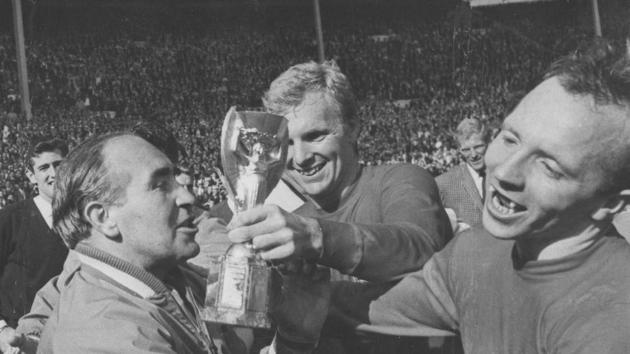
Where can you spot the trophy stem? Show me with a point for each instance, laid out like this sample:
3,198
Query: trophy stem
251,190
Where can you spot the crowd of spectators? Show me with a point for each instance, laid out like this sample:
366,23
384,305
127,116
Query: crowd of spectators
416,70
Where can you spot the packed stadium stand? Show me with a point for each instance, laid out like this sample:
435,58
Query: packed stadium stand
418,68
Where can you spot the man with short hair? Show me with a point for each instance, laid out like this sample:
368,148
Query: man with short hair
119,208
31,325
351,210
544,275
461,188
30,252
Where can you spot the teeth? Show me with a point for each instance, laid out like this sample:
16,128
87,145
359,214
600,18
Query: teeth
310,171
503,204
496,203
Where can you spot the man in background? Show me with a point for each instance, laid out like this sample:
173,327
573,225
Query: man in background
462,187
31,253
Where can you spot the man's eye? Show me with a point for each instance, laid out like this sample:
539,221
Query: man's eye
508,140
551,172
161,185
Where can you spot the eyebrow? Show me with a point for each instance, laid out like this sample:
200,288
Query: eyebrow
506,127
160,173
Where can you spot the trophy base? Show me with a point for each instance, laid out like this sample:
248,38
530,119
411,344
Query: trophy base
234,317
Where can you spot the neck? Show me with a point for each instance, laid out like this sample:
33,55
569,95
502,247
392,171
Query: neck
121,251
549,249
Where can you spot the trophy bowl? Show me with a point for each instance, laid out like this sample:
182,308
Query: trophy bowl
253,154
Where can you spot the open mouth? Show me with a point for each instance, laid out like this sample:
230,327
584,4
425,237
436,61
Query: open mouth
503,204
311,170
188,223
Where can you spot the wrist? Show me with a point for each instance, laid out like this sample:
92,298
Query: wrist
282,345
316,239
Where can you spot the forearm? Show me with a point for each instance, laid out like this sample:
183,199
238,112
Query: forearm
419,305
377,252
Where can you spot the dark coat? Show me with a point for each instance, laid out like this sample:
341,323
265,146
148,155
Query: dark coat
458,192
30,254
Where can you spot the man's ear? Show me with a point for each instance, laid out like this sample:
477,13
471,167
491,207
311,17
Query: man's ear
31,176
612,206
100,219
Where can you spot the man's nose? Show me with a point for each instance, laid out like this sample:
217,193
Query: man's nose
299,153
184,197
510,172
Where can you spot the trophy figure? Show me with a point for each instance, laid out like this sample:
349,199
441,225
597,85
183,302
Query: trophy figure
253,154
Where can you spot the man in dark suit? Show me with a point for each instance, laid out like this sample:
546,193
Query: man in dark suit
461,188
30,252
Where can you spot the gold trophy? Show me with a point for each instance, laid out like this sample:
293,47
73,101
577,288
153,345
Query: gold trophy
253,154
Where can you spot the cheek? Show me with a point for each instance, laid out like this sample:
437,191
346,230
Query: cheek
492,157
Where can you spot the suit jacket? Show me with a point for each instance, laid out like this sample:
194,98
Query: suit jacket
30,254
458,192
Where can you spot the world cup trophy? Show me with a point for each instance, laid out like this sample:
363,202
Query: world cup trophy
253,154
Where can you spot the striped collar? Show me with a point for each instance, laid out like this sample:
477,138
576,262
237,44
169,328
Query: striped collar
130,275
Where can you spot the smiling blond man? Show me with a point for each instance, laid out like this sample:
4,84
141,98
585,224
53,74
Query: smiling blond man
462,187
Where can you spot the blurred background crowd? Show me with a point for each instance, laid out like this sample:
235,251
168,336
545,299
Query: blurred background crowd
417,67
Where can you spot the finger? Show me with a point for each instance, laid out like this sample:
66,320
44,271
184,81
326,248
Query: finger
246,233
281,252
249,217
268,241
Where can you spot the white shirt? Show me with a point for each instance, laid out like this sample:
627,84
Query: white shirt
478,179
45,208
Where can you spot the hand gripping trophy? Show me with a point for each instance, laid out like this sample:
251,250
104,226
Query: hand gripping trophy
253,154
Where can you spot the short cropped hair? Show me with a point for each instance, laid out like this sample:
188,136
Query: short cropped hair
601,70
287,91
469,127
41,144
82,178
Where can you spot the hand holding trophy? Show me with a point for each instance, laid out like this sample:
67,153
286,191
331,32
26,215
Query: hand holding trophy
253,154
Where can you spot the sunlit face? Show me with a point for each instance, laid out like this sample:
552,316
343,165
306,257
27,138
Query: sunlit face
473,149
543,176
322,157
44,172
154,217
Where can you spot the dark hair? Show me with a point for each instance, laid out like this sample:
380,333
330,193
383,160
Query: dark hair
287,91
602,70
82,178
40,144
160,137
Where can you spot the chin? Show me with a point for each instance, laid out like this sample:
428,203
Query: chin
500,230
